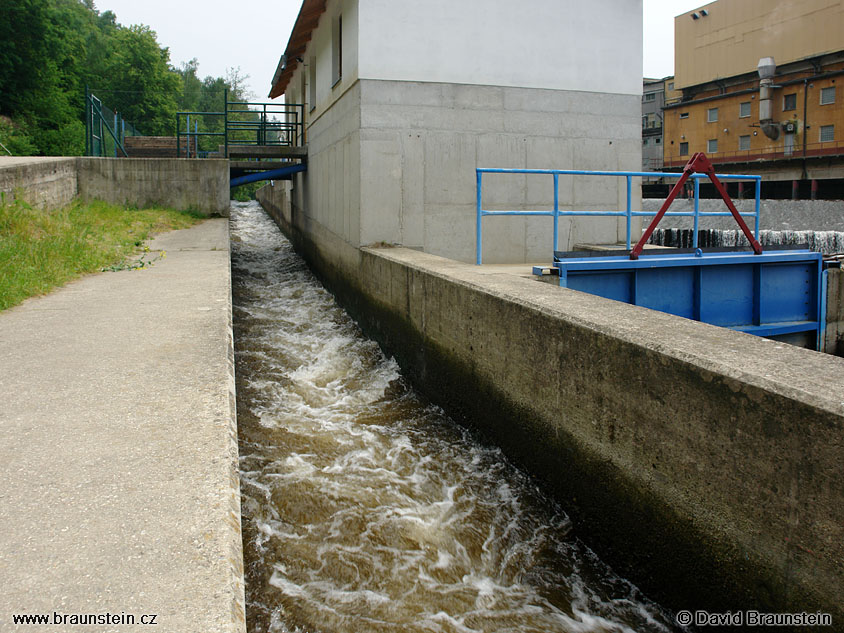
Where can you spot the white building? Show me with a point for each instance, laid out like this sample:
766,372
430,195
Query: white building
405,99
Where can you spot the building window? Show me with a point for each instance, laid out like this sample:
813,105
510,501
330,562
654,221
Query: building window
684,149
712,145
744,110
644,142
671,85
827,133
789,102
650,96
684,115
336,50
712,115
657,140
744,142
828,95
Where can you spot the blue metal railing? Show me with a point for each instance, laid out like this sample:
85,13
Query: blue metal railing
627,212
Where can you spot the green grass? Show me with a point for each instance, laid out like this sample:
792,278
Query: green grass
40,250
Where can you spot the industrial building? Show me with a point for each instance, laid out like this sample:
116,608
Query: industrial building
403,101
761,93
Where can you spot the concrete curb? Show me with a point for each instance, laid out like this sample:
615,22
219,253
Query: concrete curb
119,465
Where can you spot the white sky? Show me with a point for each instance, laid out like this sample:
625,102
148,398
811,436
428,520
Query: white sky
252,34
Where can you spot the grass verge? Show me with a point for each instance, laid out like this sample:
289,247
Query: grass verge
40,250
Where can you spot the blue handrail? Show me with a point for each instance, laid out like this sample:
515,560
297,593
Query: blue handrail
628,212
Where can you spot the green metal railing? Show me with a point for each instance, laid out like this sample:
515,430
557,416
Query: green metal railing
239,123
105,130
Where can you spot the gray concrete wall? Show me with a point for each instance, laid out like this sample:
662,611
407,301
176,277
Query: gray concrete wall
702,462
834,337
421,143
395,161
329,191
178,183
202,185
42,182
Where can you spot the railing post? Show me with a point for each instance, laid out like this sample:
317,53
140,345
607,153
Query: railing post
178,138
757,205
697,211
629,210
556,208
88,142
226,120
478,236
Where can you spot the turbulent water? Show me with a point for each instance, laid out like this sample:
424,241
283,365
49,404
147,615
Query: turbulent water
366,508
826,242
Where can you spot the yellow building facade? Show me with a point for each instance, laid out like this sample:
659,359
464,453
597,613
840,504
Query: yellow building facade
717,49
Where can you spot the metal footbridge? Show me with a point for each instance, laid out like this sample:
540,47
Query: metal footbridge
263,141
778,292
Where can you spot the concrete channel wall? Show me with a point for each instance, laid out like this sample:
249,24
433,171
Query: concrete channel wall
701,462
41,182
201,185
834,336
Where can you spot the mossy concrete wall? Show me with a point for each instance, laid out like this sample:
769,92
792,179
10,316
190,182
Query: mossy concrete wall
177,183
701,462
40,181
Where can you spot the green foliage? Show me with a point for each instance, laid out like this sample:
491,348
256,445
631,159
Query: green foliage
52,49
15,139
40,250
137,61
244,193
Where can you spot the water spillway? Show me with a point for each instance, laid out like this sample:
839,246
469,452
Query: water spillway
366,508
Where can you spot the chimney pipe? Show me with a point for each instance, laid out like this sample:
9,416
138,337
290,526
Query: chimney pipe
766,69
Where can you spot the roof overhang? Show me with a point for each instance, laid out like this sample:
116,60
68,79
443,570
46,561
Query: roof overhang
306,22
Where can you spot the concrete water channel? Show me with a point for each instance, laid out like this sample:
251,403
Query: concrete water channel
701,463
365,507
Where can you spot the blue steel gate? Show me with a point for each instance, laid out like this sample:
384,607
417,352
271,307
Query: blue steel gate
777,293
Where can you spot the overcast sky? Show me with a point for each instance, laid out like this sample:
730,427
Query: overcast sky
252,34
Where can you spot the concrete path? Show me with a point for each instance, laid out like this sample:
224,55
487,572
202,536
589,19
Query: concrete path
119,494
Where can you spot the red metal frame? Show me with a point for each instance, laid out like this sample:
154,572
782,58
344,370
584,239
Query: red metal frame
698,163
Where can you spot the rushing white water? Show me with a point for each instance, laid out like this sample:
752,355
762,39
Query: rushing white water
826,242
367,509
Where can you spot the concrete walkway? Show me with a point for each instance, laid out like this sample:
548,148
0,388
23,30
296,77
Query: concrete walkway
118,462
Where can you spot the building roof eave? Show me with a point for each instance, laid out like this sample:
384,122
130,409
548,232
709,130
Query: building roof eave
306,22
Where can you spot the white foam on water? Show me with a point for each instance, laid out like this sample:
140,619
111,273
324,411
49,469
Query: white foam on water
366,509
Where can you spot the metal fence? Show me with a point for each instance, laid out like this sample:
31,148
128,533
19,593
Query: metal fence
627,213
239,123
105,129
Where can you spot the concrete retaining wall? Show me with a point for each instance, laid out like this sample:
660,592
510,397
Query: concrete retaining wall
42,182
178,183
202,185
703,463
834,337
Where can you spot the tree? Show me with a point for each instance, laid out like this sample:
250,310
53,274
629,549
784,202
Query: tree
52,49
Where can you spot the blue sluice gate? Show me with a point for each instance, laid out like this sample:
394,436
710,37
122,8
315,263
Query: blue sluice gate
776,294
